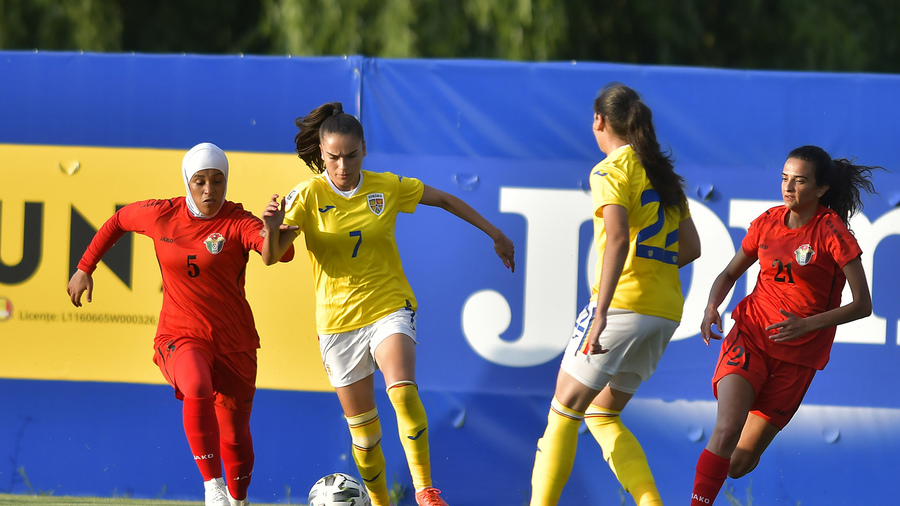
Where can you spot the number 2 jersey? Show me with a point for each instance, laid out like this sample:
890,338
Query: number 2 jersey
350,240
650,283
203,264
800,271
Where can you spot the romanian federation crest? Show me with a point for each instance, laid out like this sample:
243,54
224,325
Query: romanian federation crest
214,243
804,254
376,202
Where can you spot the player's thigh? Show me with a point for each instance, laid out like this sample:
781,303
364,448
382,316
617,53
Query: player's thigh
236,380
393,345
572,392
358,397
346,357
612,398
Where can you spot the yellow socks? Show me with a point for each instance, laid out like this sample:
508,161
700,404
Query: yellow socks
555,455
412,424
624,454
365,432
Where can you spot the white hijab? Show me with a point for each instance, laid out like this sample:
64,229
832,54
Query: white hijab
203,156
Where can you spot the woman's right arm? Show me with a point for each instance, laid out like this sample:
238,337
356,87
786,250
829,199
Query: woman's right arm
275,244
111,231
720,288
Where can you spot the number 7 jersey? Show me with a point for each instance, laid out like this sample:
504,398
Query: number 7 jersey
649,283
350,239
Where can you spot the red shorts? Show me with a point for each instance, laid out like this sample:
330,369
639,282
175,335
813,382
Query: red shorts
780,386
234,374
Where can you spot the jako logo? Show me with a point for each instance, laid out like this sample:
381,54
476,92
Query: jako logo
701,499
204,457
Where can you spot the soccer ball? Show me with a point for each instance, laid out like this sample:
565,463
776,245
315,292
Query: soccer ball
338,489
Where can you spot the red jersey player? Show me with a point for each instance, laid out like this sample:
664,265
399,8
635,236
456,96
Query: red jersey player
206,340
784,330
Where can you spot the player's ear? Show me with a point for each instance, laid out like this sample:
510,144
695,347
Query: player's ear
598,122
364,148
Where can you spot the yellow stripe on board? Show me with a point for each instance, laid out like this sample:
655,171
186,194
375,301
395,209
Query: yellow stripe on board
44,337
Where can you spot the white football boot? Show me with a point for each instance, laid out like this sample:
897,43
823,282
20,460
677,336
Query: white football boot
216,494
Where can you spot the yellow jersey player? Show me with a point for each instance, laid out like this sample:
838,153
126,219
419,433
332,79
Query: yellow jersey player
643,234
365,308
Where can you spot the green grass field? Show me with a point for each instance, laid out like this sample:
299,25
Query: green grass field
94,501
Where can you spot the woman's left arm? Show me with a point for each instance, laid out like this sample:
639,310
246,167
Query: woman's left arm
502,245
860,307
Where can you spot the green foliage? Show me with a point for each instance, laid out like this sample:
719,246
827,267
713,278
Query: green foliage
734,501
822,35
396,491
21,471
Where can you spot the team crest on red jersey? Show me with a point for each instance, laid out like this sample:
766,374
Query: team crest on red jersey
214,243
376,202
804,254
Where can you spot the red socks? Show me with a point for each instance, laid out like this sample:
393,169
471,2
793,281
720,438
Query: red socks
711,473
202,433
237,450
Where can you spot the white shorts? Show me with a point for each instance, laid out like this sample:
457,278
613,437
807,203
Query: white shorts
636,343
350,356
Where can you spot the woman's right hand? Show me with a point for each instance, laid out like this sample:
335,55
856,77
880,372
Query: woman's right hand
710,317
81,282
273,216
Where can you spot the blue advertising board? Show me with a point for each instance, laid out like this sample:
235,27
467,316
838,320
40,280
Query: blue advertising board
84,414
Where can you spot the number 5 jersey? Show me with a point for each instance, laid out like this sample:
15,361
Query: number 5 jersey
203,264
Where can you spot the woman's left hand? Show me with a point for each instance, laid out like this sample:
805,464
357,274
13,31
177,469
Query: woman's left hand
789,329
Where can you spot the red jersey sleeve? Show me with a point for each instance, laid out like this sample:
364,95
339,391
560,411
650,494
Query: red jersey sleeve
750,243
251,227
131,218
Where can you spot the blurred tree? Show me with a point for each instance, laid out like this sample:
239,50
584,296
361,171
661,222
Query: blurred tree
822,35
60,24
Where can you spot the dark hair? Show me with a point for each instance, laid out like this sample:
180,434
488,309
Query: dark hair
324,120
843,178
630,118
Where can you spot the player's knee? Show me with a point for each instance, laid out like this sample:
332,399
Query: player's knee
741,464
366,442
725,437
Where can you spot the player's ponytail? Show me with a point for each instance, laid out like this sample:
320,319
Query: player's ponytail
630,118
844,179
326,119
